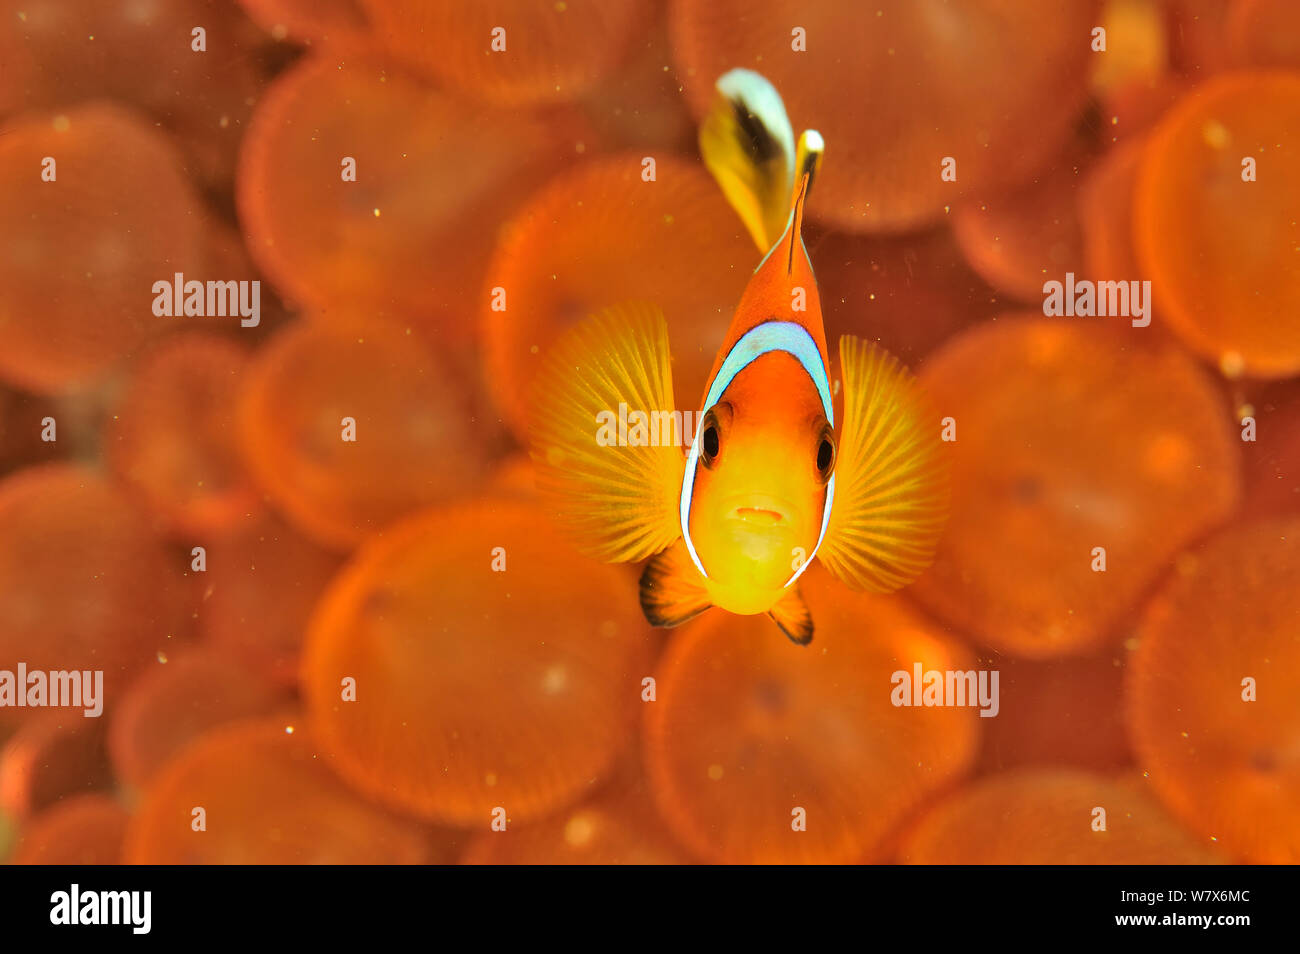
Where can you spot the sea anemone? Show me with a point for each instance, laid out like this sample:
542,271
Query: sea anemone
79,830
172,438
174,703
282,806
347,431
263,580
1080,467
84,584
1211,691
469,667
751,737
511,51
82,251
366,194
1052,817
1224,266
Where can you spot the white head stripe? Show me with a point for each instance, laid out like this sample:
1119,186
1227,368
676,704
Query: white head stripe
787,336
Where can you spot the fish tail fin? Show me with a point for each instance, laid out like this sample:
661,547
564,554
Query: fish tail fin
749,147
891,476
612,488
671,589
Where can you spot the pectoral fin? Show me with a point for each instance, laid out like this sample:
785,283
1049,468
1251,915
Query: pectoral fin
891,477
672,590
792,615
616,494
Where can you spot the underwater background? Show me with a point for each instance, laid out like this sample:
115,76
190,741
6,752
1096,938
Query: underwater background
337,625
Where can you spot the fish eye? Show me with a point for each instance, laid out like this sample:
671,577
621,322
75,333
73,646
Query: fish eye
715,422
711,441
826,454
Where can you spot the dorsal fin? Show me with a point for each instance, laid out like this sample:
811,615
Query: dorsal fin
795,228
808,156
809,160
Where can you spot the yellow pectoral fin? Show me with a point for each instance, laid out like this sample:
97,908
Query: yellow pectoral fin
891,477
606,442
748,145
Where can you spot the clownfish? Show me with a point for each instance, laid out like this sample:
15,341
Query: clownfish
768,482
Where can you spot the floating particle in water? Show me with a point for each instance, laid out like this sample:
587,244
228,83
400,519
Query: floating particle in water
79,830
512,51
347,432
172,437
1224,267
600,235
84,584
1066,441
263,579
1046,816
266,798
444,172
1227,767
749,729
83,252
997,86
169,706
451,628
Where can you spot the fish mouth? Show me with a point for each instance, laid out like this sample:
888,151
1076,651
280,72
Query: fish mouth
760,515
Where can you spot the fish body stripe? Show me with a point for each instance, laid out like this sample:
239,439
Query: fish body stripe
793,339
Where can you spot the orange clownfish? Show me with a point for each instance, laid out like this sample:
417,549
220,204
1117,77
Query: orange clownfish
768,482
